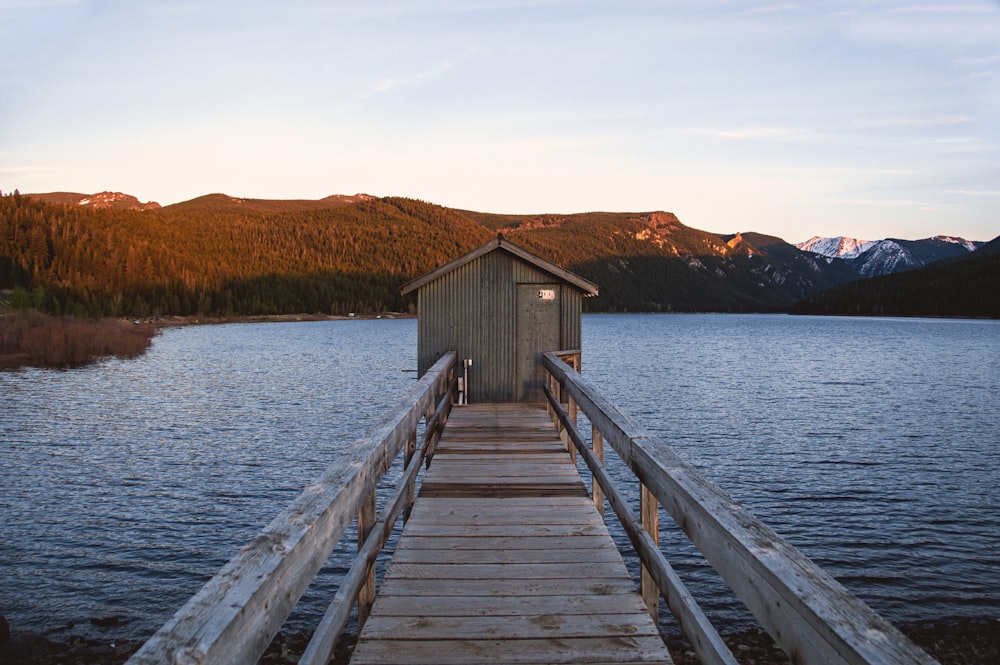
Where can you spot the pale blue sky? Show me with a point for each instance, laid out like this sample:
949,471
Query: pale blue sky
867,118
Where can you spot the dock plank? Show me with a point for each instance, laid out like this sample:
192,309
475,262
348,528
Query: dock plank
504,559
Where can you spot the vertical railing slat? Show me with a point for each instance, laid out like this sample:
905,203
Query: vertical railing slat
597,444
649,509
366,522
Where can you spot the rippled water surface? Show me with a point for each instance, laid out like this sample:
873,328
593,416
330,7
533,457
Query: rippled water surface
870,444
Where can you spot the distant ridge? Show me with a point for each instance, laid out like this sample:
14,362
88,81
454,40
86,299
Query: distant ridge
99,201
226,202
226,256
966,285
872,258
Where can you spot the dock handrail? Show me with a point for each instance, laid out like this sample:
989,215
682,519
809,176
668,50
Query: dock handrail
811,616
237,613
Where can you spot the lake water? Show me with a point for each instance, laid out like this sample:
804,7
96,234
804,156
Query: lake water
869,444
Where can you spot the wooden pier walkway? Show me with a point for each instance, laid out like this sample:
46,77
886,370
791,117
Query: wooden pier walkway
505,559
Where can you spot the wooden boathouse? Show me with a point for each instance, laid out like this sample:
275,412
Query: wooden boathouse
505,555
498,308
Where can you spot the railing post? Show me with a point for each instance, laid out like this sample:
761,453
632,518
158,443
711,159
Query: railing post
572,418
650,509
409,451
366,522
597,443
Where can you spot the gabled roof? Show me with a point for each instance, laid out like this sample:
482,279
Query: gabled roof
588,288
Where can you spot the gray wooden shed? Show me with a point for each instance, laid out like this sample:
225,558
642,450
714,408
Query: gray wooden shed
501,307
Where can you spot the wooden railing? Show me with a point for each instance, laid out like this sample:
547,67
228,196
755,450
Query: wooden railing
811,616
234,617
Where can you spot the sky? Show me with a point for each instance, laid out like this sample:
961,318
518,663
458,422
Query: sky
863,118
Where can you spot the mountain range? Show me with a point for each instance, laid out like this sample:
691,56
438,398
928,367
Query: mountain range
108,253
966,285
872,258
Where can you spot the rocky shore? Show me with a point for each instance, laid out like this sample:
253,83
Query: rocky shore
956,642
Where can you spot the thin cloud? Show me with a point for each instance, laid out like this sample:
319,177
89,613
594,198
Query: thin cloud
975,192
757,133
960,25
979,61
883,203
913,121
960,144
408,81
33,4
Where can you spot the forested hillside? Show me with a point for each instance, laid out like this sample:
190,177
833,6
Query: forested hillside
651,262
219,255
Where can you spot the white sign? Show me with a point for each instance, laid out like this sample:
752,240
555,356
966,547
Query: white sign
546,294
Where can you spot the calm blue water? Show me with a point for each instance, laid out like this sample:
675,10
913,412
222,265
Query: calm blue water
872,445
869,444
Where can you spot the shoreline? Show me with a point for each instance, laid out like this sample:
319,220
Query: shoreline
954,641
33,339
171,321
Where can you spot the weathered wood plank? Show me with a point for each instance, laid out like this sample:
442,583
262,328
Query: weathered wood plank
551,651
527,504
596,586
508,556
505,530
524,626
522,571
506,463
492,446
483,473
508,605
473,514
439,544
503,491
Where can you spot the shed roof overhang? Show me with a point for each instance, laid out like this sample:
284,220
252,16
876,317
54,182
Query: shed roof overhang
587,288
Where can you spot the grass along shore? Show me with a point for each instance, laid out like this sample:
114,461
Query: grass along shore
32,339
29,338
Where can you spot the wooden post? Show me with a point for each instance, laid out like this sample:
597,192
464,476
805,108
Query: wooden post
597,443
650,510
410,450
366,522
572,417
550,380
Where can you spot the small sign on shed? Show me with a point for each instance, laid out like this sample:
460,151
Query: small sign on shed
501,307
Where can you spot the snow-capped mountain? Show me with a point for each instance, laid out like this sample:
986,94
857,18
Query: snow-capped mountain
970,245
881,257
115,200
839,247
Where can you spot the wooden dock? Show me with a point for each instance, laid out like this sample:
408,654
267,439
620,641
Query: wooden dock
505,559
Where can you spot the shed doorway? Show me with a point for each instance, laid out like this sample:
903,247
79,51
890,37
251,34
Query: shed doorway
538,324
